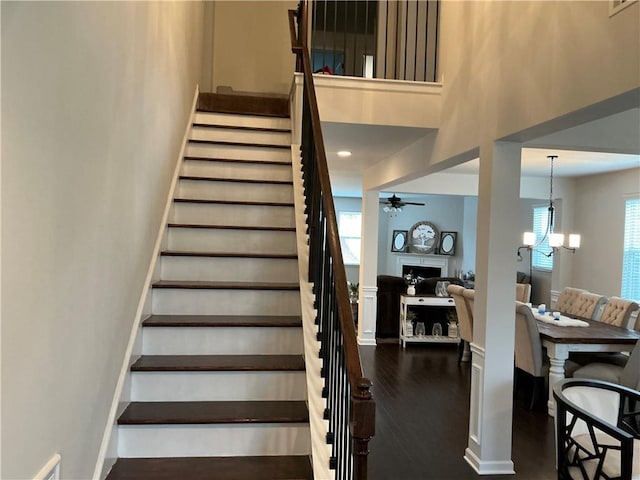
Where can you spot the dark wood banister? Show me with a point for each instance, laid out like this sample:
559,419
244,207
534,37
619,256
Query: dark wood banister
362,417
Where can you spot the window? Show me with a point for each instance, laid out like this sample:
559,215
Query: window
349,224
631,251
539,258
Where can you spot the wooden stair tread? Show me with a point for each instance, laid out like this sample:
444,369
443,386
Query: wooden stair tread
222,321
177,253
242,127
204,285
208,412
216,363
231,227
240,144
234,202
269,106
238,160
236,180
296,467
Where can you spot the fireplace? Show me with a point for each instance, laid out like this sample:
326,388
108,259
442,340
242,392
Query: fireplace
421,271
426,266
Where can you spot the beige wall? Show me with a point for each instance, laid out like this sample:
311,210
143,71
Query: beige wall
95,100
251,46
599,217
507,66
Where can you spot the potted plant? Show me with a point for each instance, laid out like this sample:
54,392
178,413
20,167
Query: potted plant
353,292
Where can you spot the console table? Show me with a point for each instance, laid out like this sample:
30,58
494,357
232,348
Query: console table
407,301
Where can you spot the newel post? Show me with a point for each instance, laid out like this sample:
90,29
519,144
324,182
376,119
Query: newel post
362,426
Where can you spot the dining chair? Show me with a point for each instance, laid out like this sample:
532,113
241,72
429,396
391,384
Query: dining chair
617,311
465,318
597,430
523,292
529,356
587,305
627,374
566,298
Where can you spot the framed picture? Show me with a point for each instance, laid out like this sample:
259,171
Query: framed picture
423,238
399,241
448,243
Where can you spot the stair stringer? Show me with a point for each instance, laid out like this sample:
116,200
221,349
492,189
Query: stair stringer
320,450
107,455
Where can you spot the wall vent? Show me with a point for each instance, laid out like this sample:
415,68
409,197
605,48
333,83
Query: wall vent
616,6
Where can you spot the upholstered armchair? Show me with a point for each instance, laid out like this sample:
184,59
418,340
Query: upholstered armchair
523,292
586,305
529,356
566,298
618,311
597,434
465,318
627,374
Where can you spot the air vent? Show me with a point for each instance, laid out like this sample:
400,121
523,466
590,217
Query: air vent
616,6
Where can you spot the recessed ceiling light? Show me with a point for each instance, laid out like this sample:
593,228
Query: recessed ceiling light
344,153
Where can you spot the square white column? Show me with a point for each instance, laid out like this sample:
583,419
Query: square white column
490,420
368,269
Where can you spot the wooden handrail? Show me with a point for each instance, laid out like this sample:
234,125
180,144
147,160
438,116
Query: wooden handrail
362,407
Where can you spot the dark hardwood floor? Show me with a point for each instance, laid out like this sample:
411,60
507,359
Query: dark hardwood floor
422,418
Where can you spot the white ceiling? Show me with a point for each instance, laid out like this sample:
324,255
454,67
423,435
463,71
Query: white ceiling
604,145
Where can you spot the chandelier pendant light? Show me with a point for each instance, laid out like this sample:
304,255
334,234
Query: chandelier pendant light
556,240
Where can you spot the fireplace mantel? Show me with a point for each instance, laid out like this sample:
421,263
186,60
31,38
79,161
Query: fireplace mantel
422,260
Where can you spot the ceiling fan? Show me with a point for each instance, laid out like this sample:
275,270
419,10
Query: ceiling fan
395,203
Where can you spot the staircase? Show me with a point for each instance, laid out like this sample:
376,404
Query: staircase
220,389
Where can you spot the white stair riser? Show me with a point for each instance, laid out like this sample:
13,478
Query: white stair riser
221,340
256,121
208,386
169,301
237,152
228,269
209,190
231,241
237,215
213,440
244,170
240,136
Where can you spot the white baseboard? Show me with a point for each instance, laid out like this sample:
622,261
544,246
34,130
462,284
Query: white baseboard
488,468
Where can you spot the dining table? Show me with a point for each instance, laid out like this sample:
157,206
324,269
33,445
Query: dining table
596,337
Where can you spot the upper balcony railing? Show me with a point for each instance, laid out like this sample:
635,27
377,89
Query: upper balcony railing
393,39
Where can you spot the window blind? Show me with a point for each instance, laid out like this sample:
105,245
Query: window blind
540,223
631,251
349,227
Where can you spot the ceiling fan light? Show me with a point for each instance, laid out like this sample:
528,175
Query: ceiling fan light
386,209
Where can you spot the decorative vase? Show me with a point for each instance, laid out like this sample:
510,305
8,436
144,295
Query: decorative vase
411,290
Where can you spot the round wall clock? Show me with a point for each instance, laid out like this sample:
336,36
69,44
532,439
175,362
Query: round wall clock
423,238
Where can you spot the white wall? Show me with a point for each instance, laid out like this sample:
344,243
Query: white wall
526,74
95,99
251,46
600,219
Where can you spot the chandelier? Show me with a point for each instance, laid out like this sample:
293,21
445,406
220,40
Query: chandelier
556,240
